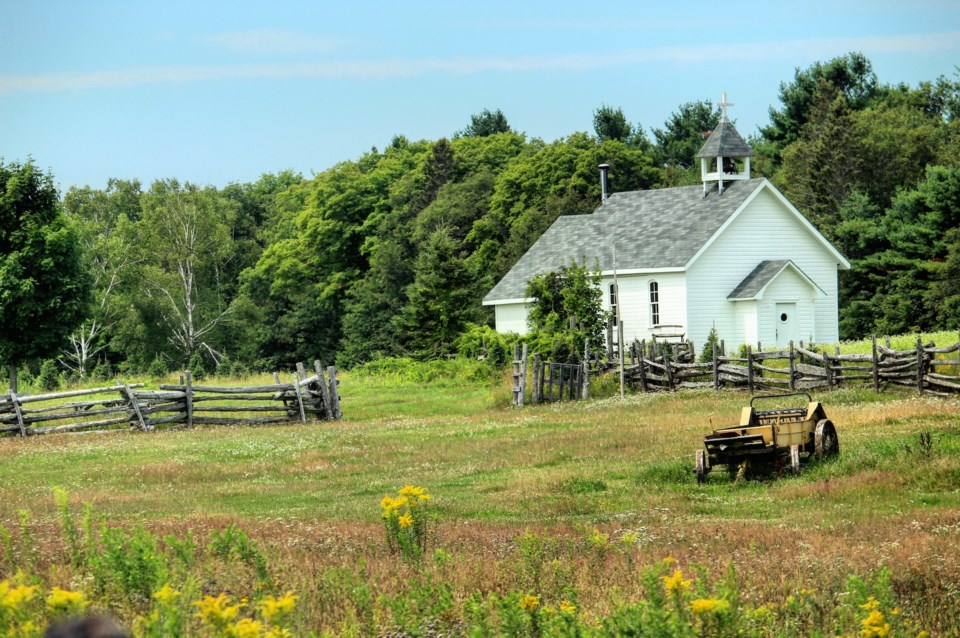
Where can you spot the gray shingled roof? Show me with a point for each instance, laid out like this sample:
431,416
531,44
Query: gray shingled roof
725,141
661,228
762,275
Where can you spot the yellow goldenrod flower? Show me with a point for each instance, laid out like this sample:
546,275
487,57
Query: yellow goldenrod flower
63,601
676,584
924,634
669,560
218,611
166,595
15,597
412,490
275,609
709,606
406,520
873,626
278,632
529,602
872,604
247,628
567,607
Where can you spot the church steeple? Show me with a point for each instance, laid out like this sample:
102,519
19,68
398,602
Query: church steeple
725,156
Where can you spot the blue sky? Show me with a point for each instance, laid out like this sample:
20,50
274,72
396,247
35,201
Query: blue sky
218,92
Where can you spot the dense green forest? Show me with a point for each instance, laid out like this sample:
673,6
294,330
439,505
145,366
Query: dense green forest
390,254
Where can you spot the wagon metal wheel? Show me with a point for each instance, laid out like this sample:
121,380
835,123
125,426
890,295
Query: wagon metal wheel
701,466
826,444
795,459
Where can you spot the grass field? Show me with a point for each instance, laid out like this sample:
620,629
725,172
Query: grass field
575,501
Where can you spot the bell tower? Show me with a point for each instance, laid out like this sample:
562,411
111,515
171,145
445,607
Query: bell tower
725,157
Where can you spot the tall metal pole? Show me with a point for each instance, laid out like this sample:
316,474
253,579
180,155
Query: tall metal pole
616,286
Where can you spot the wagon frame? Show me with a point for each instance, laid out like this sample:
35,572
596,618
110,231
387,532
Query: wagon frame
772,437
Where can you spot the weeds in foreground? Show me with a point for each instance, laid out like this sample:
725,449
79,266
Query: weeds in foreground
170,587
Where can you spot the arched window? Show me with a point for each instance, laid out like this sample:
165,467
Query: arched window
654,303
613,304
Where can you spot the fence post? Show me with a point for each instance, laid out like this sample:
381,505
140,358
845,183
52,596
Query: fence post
643,370
828,369
585,392
750,369
876,365
16,408
296,390
792,383
919,365
324,390
838,377
544,366
516,373
716,367
523,376
128,394
535,392
666,364
334,393
188,394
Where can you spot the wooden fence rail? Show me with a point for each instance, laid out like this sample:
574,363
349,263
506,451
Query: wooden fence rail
927,368
174,405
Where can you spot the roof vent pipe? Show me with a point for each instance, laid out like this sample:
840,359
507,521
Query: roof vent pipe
604,190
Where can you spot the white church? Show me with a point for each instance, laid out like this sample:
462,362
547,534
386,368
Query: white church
732,254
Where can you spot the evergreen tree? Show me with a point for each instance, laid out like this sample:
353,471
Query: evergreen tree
442,299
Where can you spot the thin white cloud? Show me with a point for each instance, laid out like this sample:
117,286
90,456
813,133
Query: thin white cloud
788,50
270,42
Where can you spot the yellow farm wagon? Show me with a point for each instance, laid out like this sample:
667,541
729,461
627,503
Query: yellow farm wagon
772,437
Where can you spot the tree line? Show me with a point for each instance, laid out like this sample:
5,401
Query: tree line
390,254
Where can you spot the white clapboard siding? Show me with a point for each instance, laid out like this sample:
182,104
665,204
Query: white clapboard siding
764,230
511,317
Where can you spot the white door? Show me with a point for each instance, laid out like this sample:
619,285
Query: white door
786,323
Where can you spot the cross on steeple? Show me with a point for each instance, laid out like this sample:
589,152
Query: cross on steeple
724,104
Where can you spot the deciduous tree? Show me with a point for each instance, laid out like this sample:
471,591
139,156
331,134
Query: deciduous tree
44,288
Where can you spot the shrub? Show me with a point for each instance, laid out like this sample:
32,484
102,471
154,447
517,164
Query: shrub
49,379
485,343
158,368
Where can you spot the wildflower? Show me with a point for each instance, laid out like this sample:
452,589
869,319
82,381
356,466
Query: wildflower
247,628
529,602
166,595
599,540
218,611
709,606
278,632
629,538
669,560
567,607
405,521
873,626
62,601
274,610
924,634
872,604
16,597
676,584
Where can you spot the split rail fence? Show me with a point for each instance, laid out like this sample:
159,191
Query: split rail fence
127,406
927,368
